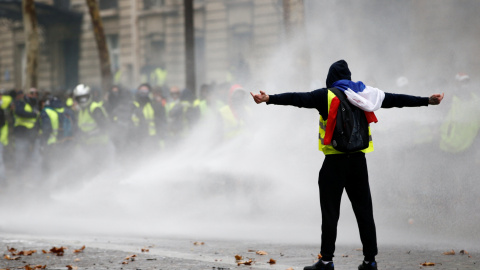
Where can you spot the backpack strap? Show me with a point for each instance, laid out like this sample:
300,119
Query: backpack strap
341,95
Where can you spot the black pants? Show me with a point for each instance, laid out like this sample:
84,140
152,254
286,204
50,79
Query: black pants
349,172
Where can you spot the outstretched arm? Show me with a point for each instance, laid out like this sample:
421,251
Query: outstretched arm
400,100
259,98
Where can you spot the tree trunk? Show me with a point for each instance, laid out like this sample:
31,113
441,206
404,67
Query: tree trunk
189,47
101,45
32,43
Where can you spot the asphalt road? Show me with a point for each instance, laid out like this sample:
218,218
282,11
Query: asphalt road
163,253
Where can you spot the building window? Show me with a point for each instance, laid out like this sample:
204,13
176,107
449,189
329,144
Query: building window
149,4
62,4
108,4
114,52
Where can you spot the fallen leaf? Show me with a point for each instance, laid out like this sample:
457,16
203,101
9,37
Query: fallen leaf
27,267
131,257
463,252
11,250
79,250
71,267
261,252
249,262
451,252
198,243
76,260
26,252
7,257
238,257
145,250
345,256
124,262
290,268
272,261
359,249
58,251
252,250
428,264
45,252
319,256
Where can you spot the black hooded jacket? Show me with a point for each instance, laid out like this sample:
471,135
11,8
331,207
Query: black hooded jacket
318,99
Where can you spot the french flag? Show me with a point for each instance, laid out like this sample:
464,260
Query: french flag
365,97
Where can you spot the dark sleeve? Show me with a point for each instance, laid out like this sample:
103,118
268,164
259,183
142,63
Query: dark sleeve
100,118
2,118
45,127
401,100
20,110
317,99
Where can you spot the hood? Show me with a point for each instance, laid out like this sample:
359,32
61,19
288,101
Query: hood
338,71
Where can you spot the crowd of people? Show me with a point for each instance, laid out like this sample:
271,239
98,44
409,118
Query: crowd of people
42,128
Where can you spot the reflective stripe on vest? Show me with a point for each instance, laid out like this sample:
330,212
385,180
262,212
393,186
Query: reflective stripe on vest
53,115
328,149
149,116
28,122
6,101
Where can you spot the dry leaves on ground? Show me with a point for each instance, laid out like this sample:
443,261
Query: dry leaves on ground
451,252
145,250
7,257
28,267
238,257
249,262
272,261
79,250
198,243
319,256
70,267
261,252
428,264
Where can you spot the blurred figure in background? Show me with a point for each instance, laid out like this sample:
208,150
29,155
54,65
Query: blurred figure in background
236,113
120,109
93,123
149,121
25,113
176,116
5,103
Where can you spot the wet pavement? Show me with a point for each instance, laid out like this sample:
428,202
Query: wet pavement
164,253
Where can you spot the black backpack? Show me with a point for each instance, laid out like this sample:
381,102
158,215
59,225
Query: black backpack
351,130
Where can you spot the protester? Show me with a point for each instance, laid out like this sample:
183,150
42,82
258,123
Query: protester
345,170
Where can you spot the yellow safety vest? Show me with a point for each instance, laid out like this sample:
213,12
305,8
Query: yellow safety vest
6,101
328,149
28,122
87,124
149,115
53,115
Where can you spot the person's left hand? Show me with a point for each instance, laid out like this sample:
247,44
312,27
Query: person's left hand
435,99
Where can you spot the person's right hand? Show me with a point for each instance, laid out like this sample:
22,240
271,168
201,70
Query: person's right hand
259,98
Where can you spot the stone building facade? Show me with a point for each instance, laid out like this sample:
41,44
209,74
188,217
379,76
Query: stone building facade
144,34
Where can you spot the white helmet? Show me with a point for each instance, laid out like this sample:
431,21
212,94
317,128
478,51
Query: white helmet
82,94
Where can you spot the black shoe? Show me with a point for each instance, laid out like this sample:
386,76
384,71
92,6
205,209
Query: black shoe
320,266
368,266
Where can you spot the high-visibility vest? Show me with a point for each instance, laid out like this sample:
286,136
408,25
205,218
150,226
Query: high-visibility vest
328,149
53,115
202,105
87,124
6,101
461,125
28,122
69,102
149,115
